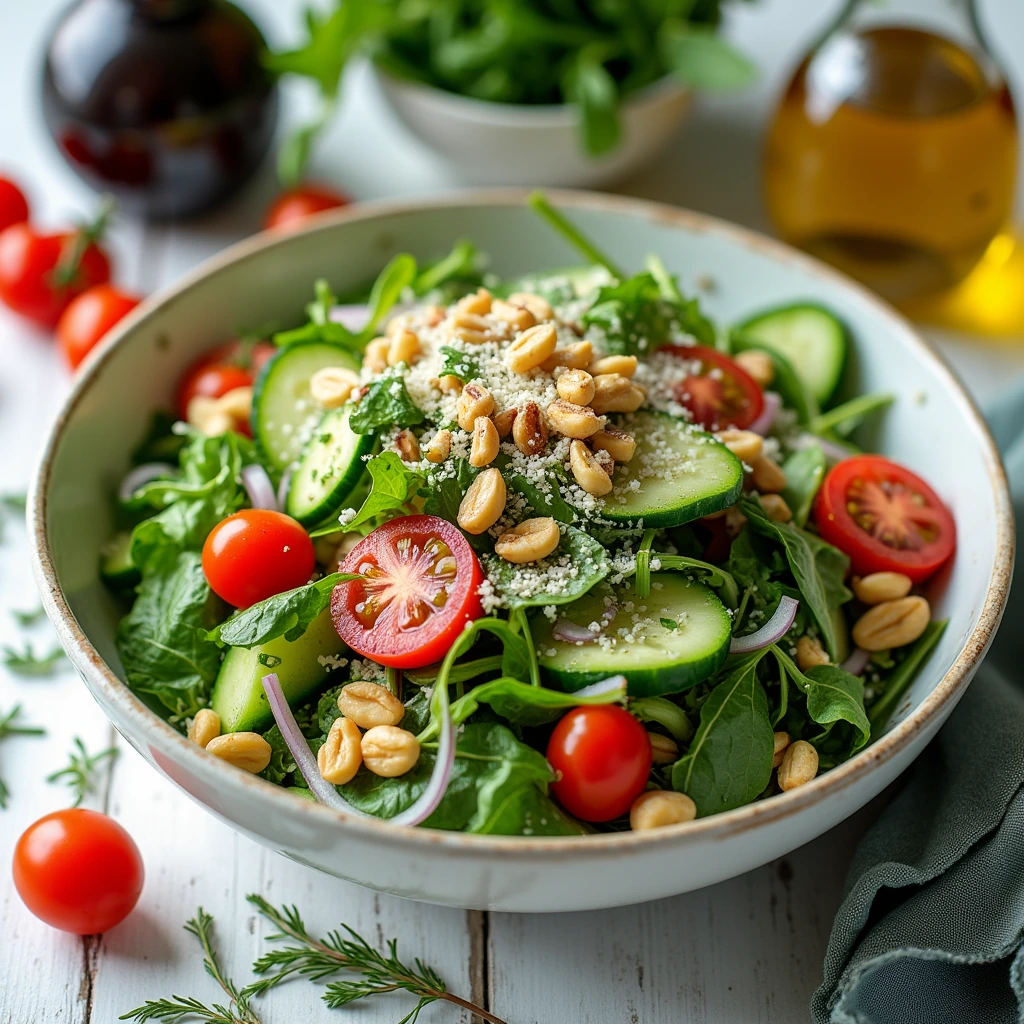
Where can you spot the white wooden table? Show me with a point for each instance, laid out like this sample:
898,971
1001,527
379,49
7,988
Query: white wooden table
743,951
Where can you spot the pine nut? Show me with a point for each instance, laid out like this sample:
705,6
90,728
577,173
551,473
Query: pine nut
479,302
369,704
332,386
470,328
389,751
404,348
474,401
660,807
246,750
576,386
531,348
767,475
664,749
892,624
799,765
340,756
207,417
449,382
587,470
485,443
483,502
758,365
407,446
810,653
744,444
881,586
615,393
779,748
518,317
503,421
530,541
529,431
576,356
573,420
624,366
540,308
776,508
617,443
205,727
237,403
375,355
439,448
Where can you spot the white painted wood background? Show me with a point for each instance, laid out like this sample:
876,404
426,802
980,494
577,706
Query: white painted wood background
748,950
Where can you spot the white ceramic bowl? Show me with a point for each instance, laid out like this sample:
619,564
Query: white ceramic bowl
933,427
532,146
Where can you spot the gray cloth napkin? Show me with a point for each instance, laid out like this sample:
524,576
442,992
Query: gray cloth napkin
931,929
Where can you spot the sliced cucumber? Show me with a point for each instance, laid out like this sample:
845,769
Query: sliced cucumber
680,474
238,695
811,337
283,411
677,637
330,467
116,566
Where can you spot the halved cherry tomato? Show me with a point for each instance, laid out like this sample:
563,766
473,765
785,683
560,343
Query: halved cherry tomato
296,204
603,757
255,554
78,871
419,591
230,366
885,518
89,317
719,393
13,204
31,267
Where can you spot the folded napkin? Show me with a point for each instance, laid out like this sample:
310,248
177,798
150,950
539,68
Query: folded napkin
931,929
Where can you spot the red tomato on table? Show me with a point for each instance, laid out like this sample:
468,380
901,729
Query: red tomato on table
13,204
419,592
78,871
886,518
296,204
719,393
230,366
89,317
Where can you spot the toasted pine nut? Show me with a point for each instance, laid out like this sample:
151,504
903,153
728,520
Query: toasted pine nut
237,403
776,508
375,355
576,356
471,328
474,401
529,431
758,364
449,382
207,417
767,475
779,748
369,704
540,308
530,541
479,302
615,393
404,348
340,756
503,421
892,624
389,751
659,807
576,386
617,443
877,587
664,749
573,420
485,442
625,366
810,653
799,765
483,502
332,385
531,348
205,727
518,317
439,448
246,750
407,445
744,444
587,470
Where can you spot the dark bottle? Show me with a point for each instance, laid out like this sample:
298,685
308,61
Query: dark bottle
163,103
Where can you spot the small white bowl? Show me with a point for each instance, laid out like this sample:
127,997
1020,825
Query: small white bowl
533,146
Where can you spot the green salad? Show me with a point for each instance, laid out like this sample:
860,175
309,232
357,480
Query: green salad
535,556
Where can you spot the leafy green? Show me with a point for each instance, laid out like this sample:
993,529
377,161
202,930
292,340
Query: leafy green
547,502
459,364
565,227
385,404
703,60
592,88
398,275
845,418
713,575
393,483
28,663
904,673
461,264
804,469
668,715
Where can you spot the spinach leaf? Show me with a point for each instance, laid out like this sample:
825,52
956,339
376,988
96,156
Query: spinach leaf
590,86
729,762
459,364
804,471
547,502
386,403
703,60
756,565
393,483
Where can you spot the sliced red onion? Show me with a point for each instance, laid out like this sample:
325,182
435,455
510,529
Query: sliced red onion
771,632
353,317
282,489
299,749
571,633
763,423
259,488
605,686
856,662
140,475
834,451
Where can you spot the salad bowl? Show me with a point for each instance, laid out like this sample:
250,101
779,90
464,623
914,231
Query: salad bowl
932,427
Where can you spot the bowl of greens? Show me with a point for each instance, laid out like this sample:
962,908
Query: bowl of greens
529,93
601,568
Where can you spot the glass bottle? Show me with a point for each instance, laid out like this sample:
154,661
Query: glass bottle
164,103
893,153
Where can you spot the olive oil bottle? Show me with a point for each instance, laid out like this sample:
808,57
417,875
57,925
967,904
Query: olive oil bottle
893,153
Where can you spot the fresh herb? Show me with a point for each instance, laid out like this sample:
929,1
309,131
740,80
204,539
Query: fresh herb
177,1008
462,264
398,275
80,773
14,502
669,623
10,727
845,418
344,950
385,404
565,227
28,663
458,364
804,471
30,617
903,675
392,485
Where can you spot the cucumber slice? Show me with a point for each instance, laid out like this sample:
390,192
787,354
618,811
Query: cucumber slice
238,695
681,474
681,635
329,469
116,566
283,411
811,337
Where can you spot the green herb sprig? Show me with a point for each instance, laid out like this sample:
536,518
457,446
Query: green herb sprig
9,727
28,663
80,773
30,616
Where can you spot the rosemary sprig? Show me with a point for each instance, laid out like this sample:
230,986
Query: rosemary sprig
28,663
80,774
29,617
238,1010
16,503
317,959
9,728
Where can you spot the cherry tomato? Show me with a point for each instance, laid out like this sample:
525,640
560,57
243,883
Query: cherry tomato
255,554
89,317
603,757
78,871
13,204
420,591
719,393
296,204
30,266
221,370
885,518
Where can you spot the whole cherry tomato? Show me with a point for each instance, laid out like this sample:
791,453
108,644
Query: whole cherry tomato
296,204
255,554
78,871
718,392
89,317
603,757
13,204
221,370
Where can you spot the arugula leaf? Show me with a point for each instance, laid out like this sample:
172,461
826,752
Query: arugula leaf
539,203
393,483
386,403
461,264
593,89
459,364
729,761
543,503
845,418
703,60
904,674
398,275
804,471
28,663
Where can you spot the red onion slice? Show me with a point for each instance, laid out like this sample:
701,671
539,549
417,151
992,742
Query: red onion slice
282,490
259,488
763,423
604,687
353,317
834,451
771,632
856,662
140,475
571,633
